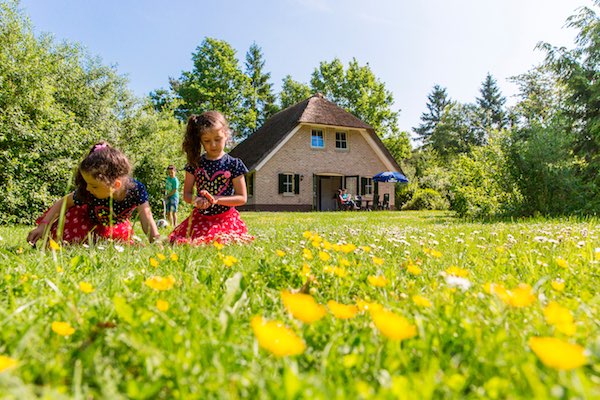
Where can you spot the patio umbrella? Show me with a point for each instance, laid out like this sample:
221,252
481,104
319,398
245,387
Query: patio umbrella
390,176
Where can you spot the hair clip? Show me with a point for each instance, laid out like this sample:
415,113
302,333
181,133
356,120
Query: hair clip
99,146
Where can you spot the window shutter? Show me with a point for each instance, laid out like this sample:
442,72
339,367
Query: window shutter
297,184
281,180
363,184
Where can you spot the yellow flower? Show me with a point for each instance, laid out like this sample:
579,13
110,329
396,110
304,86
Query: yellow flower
378,281
307,234
280,253
54,245
432,252
62,328
393,326
86,287
305,270
342,311
174,257
324,256
412,268
153,262
303,306
276,338
326,245
560,317
160,283
521,296
366,249
229,261
306,253
344,263
378,261
364,305
162,305
161,256
341,272
421,301
500,249
59,269
558,285
217,245
7,363
555,353
561,262
460,272
348,248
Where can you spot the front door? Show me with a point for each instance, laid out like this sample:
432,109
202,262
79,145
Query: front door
327,187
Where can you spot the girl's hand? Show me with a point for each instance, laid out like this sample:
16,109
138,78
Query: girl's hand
201,203
36,234
208,196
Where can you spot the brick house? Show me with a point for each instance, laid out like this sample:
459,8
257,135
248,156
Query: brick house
302,155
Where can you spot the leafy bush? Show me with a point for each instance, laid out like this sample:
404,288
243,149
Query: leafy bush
426,199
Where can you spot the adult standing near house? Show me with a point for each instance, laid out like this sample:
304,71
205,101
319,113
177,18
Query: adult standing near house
219,181
171,195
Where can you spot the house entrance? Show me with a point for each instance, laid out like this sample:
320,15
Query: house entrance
325,191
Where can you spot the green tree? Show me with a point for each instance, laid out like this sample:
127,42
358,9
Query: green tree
437,101
579,71
55,102
359,92
260,99
491,106
454,134
292,92
398,145
216,82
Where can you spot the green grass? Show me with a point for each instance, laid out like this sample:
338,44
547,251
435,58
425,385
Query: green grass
469,343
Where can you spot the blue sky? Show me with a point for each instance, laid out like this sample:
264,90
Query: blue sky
409,45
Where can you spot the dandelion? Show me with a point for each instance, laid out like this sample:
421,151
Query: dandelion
342,311
7,363
280,253
393,326
307,234
558,285
344,263
174,257
276,338
456,271
162,305
432,252
378,261
160,283
62,328
377,281
561,262
364,305
303,306
86,287
153,262
54,245
161,256
229,261
366,249
218,246
323,256
413,269
348,248
340,272
305,270
521,296
560,317
421,301
306,253
558,354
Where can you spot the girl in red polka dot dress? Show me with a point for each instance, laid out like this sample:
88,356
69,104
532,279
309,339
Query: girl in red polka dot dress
219,181
102,204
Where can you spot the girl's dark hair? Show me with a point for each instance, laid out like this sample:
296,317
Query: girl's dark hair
104,163
196,125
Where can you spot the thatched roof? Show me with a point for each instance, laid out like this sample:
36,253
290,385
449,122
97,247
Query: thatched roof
314,110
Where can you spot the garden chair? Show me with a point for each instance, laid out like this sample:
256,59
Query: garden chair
385,204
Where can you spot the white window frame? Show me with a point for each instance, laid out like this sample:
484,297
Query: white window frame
313,135
369,186
288,185
341,140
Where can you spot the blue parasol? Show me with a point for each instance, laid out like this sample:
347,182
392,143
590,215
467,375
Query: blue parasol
390,176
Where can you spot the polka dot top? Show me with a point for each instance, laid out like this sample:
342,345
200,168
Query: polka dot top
99,209
216,177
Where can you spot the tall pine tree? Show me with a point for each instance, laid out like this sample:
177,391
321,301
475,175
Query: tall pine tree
260,98
491,105
437,101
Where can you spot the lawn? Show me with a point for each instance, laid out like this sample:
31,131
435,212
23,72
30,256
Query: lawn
347,305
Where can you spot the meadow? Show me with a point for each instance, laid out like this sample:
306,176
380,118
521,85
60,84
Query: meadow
349,305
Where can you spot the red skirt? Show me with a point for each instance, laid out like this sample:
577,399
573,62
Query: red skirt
199,228
78,226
